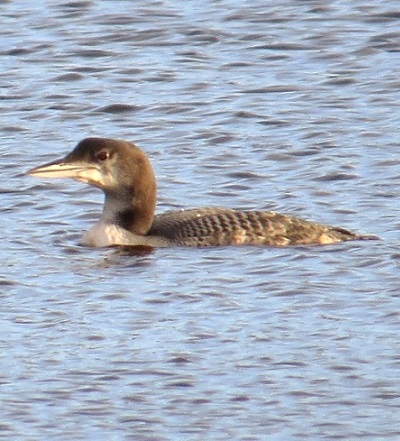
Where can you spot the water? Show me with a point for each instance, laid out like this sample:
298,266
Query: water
289,105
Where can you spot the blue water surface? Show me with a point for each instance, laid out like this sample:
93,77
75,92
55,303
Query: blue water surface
290,106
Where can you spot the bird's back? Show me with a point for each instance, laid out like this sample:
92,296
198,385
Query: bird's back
217,226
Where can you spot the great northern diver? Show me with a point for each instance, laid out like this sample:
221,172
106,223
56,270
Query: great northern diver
125,175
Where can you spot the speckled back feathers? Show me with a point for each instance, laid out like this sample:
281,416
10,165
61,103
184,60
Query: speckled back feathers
217,226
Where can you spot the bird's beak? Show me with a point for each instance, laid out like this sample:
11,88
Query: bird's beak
62,168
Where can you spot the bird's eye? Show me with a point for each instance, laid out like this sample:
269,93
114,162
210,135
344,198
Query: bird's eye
103,155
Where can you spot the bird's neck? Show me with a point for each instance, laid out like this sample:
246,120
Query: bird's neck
132,209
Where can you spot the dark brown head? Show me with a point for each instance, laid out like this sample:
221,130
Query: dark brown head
120,169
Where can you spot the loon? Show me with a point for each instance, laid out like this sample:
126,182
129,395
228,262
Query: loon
125,175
